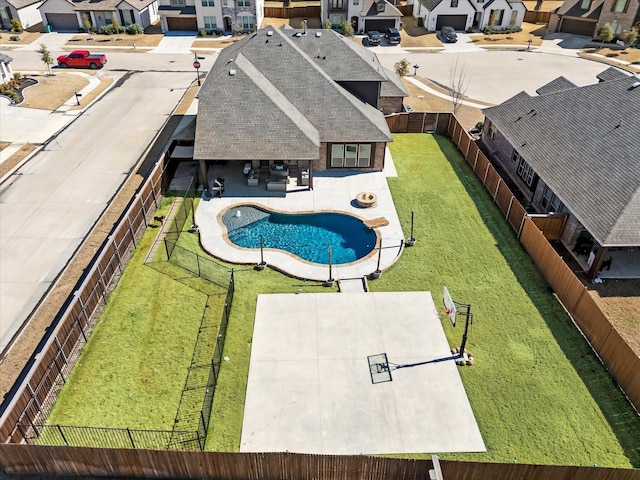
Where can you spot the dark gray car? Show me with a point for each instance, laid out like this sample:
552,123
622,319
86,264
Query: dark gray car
449,34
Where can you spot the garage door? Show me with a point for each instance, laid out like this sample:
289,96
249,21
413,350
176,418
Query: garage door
63,21
578,27
182,24
379,25
458,22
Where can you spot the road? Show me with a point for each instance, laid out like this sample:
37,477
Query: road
58,195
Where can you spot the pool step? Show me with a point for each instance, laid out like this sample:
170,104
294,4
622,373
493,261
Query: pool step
353,285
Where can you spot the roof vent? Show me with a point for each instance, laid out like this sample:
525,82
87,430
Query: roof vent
232,72
269,33
318,34
634,86
297,34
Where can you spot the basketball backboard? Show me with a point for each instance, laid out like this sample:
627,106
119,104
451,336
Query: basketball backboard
450,306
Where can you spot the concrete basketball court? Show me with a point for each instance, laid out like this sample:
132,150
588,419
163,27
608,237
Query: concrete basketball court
310,389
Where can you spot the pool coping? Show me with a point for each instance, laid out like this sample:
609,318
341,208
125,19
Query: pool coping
333,192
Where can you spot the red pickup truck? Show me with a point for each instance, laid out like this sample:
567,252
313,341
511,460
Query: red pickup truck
82,59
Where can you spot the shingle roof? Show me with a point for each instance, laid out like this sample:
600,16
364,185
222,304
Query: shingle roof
571,8
585,144
611,73
18,4
394,87
107,5
279,104
556,85
5,58
370,9
430,4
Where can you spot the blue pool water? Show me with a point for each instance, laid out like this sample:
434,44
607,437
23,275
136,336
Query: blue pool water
307,236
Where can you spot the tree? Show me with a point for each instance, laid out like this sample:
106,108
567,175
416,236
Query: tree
347,29
458,84
86,23
117,28
327,24
605,34
630,37
402,67
45,56
16,25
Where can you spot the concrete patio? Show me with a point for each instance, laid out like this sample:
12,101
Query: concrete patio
332,191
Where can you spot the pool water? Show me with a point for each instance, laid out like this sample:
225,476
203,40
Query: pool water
307,236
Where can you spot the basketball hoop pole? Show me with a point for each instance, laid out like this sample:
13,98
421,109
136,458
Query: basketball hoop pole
469,319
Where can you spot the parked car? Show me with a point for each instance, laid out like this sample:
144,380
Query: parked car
392,35
449,34
82,59
373,37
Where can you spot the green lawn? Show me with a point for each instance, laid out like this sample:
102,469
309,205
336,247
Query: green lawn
538,392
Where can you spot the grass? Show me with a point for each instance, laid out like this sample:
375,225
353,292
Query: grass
538,392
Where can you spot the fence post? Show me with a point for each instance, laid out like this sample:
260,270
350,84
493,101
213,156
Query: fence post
22,432
64,439
198,263
104,285
486,172
55,361
495,195
115,249
144,210
84,311
33,396
524,217
476,160
506,217
133,445
81,330
133,235
66,360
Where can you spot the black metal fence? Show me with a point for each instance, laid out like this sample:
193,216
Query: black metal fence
182,214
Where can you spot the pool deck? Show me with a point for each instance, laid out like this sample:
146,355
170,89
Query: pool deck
333,191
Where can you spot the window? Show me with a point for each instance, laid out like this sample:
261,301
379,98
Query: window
620,6
514,18
244,3
356,2
108,18
454,3
550,202
525,172
515,156
337,4
495,19
585,4
210,23
364,155
177,3
224,3
492,130
208,3
246,22
350,155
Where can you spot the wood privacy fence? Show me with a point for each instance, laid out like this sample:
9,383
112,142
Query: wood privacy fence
292,12
536,17
90,462
43,376
617,356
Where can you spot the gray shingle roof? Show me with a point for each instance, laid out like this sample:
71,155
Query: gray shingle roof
571,8
611,73
5,58
280,104
107,5
18,4
430,4
556,85
370,9
394,87
585,144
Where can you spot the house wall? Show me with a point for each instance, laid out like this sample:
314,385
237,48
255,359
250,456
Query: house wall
506,19
215,11
430,18
145,17
624,20
58,6
377,158
554,23
502,152
28,16
391,105
6,73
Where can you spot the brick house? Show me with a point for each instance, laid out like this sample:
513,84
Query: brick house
575,150
308,99
585,17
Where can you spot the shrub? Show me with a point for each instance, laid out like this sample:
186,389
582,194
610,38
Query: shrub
135,29
16,25
327,24
7,90
402,67
117,28
630,37
347,29
202,32
106,30
86,23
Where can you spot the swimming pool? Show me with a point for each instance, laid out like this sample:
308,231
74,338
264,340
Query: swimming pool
307,235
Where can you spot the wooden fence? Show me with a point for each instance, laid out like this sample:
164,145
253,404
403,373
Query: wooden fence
536,17
51,461
292,12
43,376
617,356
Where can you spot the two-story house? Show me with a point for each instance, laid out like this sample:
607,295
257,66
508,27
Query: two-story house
363,15
585,17
469,14
306,99
211,15
24,10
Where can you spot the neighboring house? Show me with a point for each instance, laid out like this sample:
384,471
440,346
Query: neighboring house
6,73
67,15
310,100
585,17
24,10
211,15
364,15
469,14
575,150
